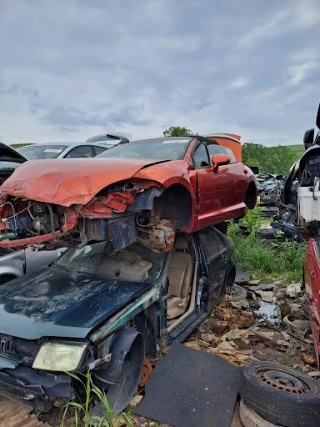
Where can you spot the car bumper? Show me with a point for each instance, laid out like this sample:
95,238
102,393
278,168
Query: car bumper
35,389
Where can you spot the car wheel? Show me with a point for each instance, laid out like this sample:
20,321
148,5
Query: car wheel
249,418
237,293
280,394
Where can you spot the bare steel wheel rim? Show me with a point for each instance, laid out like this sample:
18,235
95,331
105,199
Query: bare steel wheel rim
283,381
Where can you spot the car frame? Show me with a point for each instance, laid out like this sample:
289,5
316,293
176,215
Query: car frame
130,198
122,321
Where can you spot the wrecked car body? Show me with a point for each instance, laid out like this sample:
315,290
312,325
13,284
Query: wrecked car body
302,188
103,310
269,187
140,191
311,273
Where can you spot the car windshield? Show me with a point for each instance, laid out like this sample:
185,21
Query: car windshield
33,152
136,263
158,149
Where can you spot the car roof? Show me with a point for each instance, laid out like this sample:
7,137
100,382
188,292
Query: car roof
63,144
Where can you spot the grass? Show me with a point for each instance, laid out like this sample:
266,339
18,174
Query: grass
283,260
82,410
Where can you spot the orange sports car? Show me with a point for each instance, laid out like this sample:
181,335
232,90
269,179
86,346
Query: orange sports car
142,190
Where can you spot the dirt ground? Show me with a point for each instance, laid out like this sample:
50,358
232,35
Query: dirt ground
237,331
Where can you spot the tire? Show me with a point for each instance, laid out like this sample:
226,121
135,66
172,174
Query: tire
281,395
237,293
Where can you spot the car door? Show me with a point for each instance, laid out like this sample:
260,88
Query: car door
210,188
82,151
232,177
215,252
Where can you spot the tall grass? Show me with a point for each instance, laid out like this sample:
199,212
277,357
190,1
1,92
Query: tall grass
82,411
283,259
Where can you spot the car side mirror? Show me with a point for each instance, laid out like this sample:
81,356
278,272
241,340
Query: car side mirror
308,138
219,160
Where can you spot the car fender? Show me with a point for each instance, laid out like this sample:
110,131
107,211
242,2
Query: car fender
13,263
120,347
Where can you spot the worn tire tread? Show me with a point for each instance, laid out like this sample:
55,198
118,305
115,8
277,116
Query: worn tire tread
279,407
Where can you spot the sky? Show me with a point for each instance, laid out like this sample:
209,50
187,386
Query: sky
71,69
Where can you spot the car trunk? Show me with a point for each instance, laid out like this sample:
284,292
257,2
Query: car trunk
9,160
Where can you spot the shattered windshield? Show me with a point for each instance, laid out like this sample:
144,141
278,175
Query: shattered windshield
35,152
158,149
136,263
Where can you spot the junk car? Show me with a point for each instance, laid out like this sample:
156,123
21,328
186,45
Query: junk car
103,310
139,191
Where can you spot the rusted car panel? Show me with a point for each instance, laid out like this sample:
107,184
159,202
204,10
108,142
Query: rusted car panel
124,197
312,283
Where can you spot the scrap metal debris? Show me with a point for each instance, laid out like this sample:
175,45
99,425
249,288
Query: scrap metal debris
240,333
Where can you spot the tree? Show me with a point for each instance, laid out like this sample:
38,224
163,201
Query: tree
275,160
178,131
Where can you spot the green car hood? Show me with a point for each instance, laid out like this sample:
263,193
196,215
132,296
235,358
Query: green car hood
55,303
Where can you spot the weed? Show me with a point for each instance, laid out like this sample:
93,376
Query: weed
91,392
284,259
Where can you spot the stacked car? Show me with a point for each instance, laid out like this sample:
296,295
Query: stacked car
144,266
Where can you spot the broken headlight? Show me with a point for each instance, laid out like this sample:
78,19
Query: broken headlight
59,356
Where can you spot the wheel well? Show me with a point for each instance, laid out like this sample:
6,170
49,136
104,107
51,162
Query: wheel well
144,325
4,278
175,204
251,196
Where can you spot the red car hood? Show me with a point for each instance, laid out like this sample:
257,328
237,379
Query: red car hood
69,181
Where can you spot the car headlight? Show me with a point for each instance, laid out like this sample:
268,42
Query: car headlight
59,356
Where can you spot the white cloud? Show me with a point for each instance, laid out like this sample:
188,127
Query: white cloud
239,82
70,70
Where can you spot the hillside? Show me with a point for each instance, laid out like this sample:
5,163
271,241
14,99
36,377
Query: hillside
298,149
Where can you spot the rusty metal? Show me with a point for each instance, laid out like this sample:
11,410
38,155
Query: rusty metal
282,381
160,237
146,371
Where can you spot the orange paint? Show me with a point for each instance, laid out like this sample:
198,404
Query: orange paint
228,140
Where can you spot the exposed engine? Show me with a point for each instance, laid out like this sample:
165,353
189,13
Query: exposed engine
123,212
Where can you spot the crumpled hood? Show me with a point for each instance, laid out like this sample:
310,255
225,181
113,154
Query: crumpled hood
69,181
56,303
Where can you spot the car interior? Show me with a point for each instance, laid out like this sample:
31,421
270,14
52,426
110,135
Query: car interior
180,279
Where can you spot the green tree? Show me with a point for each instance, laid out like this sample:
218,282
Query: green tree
276,160
177,131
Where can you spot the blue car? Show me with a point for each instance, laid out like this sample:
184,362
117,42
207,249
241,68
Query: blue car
105,310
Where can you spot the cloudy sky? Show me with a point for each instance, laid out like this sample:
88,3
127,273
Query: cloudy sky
70,69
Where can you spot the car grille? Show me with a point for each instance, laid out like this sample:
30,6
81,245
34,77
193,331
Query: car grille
27,349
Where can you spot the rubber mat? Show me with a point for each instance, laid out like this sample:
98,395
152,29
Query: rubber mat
191,388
